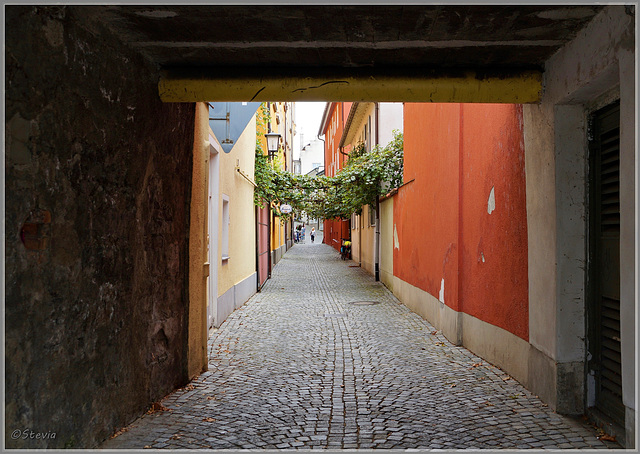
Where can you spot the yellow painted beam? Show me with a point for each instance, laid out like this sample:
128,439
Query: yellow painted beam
265,84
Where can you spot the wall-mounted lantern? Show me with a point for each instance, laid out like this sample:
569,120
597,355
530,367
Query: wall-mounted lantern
273,143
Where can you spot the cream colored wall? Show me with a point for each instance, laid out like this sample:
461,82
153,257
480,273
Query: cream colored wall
242,237
362,121
362,236
368,242
386,242
197,360
356,221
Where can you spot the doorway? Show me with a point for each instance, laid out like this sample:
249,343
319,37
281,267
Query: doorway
605,364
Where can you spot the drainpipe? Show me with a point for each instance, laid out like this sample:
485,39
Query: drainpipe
376,244
360,223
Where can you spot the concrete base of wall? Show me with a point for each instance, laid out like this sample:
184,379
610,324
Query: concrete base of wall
541,376
369,267
498,346
245,289
387,279
276,254
557,384
235,297
225,305
430,308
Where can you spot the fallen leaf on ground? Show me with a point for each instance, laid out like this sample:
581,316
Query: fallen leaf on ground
209,420
156,406
434,332
189,387
120,432
607,437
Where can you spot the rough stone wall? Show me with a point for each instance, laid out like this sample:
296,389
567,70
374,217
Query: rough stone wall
96,232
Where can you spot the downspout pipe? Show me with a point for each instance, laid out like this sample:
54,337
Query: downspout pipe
376,245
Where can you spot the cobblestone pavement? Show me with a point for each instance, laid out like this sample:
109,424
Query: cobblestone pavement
301,366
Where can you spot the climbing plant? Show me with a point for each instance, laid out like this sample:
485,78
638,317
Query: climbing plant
365,176
368,175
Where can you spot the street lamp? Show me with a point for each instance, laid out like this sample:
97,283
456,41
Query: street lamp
273,143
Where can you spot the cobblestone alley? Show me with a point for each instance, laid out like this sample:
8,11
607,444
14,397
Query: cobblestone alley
306,363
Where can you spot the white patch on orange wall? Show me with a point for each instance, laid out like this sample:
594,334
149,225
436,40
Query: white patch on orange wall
396,242
491,205
441,295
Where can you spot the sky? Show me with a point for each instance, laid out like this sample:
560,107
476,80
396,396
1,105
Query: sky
308,117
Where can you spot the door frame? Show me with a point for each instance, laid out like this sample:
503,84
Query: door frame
213,223
593,309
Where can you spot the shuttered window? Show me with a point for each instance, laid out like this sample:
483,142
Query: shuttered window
605,262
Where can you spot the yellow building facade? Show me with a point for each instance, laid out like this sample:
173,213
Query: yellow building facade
281,116
236,236
372,235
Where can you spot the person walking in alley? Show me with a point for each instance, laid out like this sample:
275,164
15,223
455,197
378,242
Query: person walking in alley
313,233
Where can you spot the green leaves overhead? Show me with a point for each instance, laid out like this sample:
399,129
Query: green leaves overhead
365,177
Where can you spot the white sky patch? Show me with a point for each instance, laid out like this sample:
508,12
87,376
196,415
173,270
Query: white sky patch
308,118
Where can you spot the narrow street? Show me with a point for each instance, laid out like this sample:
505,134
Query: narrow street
309,363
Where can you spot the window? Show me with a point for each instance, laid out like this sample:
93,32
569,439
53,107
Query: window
226,221
370,144
372,216
365,138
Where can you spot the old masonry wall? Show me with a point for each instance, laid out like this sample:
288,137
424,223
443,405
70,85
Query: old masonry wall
96,230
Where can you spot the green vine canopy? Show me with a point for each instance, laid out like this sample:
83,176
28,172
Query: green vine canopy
365,176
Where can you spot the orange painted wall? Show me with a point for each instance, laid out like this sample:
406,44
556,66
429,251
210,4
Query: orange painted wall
425,211
335,229
455,154
495,289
